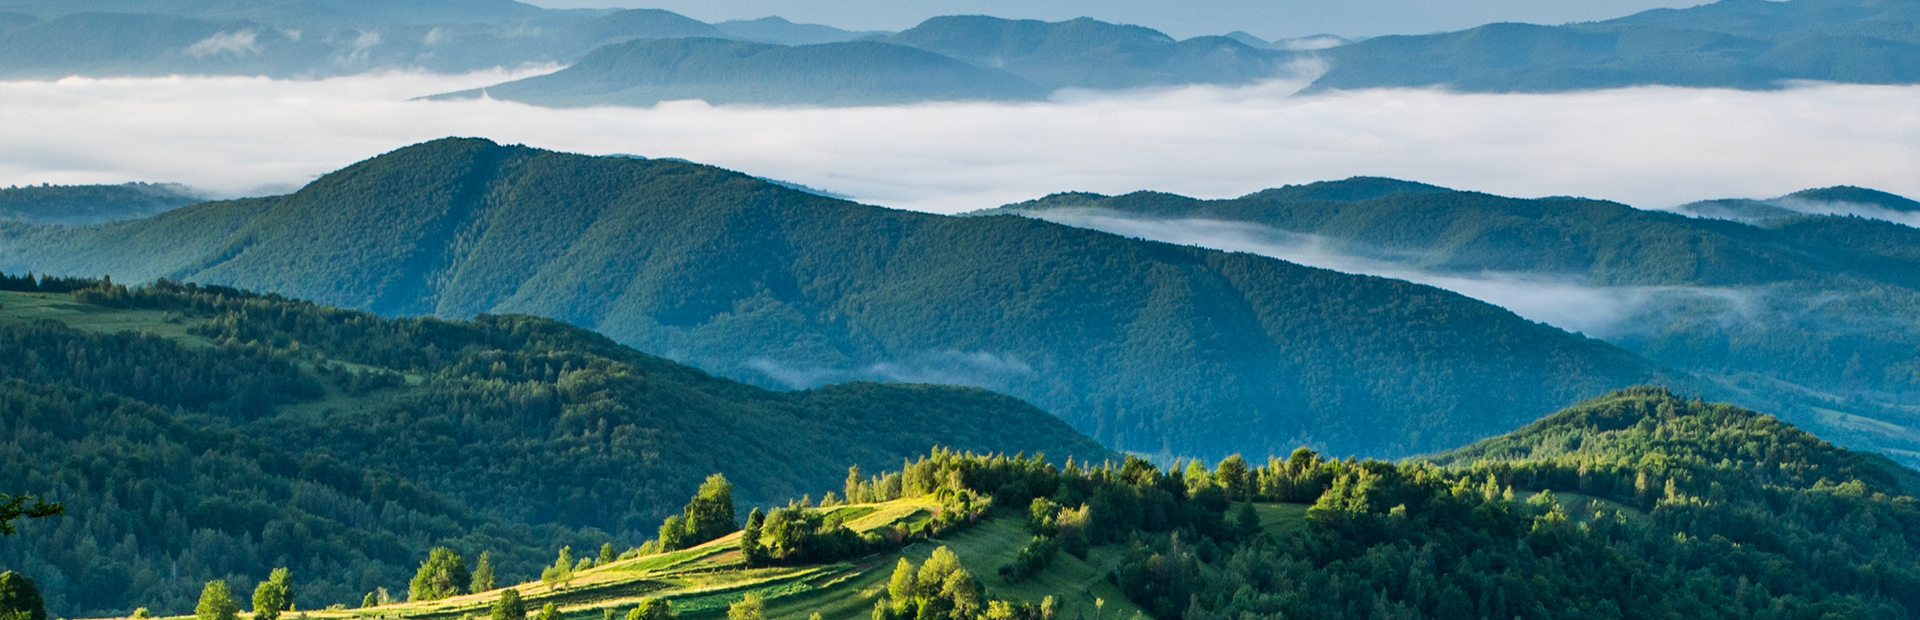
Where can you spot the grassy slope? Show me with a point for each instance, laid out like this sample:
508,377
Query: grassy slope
703,580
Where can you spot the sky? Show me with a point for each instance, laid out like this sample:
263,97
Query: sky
1269,19
1647,147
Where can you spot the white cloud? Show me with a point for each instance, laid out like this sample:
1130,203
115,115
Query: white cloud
237,43
1652,147
1869,211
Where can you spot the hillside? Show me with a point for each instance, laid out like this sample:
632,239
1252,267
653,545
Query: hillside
1808,315
1144,346
1088,53
91,204
1729,44
1637,504
644,72
196,433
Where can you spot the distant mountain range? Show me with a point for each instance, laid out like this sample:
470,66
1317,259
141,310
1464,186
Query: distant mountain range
1801,298
625,57
91,204
1145,346
1753,44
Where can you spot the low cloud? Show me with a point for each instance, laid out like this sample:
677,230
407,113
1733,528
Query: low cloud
1649,147
237,43
975,368
1869,211
1561,300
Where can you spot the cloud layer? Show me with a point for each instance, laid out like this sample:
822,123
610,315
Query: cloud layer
1563,301
1649,147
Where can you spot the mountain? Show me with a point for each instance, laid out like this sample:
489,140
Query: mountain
644,72
195,433
308,13
942,59
1751,44
1144,346
1809,315
779,30
91,204
1087,53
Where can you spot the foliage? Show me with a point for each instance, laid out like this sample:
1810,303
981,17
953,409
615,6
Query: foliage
509,607
510,434
561,572
1147,346
273,596
482,574
652,609
709,515
1820,302
90,204
443,574
216,602
20,598
15,507
749,607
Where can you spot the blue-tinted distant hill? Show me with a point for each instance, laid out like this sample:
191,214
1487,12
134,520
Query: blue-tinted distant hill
91,204
1752,44
647,71
1087,53
1145,346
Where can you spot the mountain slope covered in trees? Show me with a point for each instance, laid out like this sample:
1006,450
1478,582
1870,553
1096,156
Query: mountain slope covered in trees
1811,309
91,204
200,433
644,72
1637,504
1144,346
1729,44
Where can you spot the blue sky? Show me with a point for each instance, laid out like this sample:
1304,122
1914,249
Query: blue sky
1182,18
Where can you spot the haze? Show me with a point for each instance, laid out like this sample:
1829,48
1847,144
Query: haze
1648,147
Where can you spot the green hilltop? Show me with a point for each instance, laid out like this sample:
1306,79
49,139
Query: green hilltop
1144,346
199,432
1637,504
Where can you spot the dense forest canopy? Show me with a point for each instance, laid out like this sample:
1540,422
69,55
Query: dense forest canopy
1807,315
1144,346
199,432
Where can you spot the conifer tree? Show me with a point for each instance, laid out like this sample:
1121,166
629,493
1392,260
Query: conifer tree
606,554
482,574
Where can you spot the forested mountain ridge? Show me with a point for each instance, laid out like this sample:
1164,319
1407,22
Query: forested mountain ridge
91,204
197,433
1809,315
1145,346
1729,44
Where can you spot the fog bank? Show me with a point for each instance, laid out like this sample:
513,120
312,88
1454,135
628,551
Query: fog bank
1649,147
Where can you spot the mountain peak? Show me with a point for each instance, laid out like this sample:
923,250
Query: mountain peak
1856,195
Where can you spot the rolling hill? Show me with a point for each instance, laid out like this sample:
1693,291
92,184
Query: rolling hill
1637,504
1144,346
91,204
644,72
1748,44
195,433
1809,314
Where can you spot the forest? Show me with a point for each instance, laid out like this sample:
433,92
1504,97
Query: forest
198,432
1144,346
